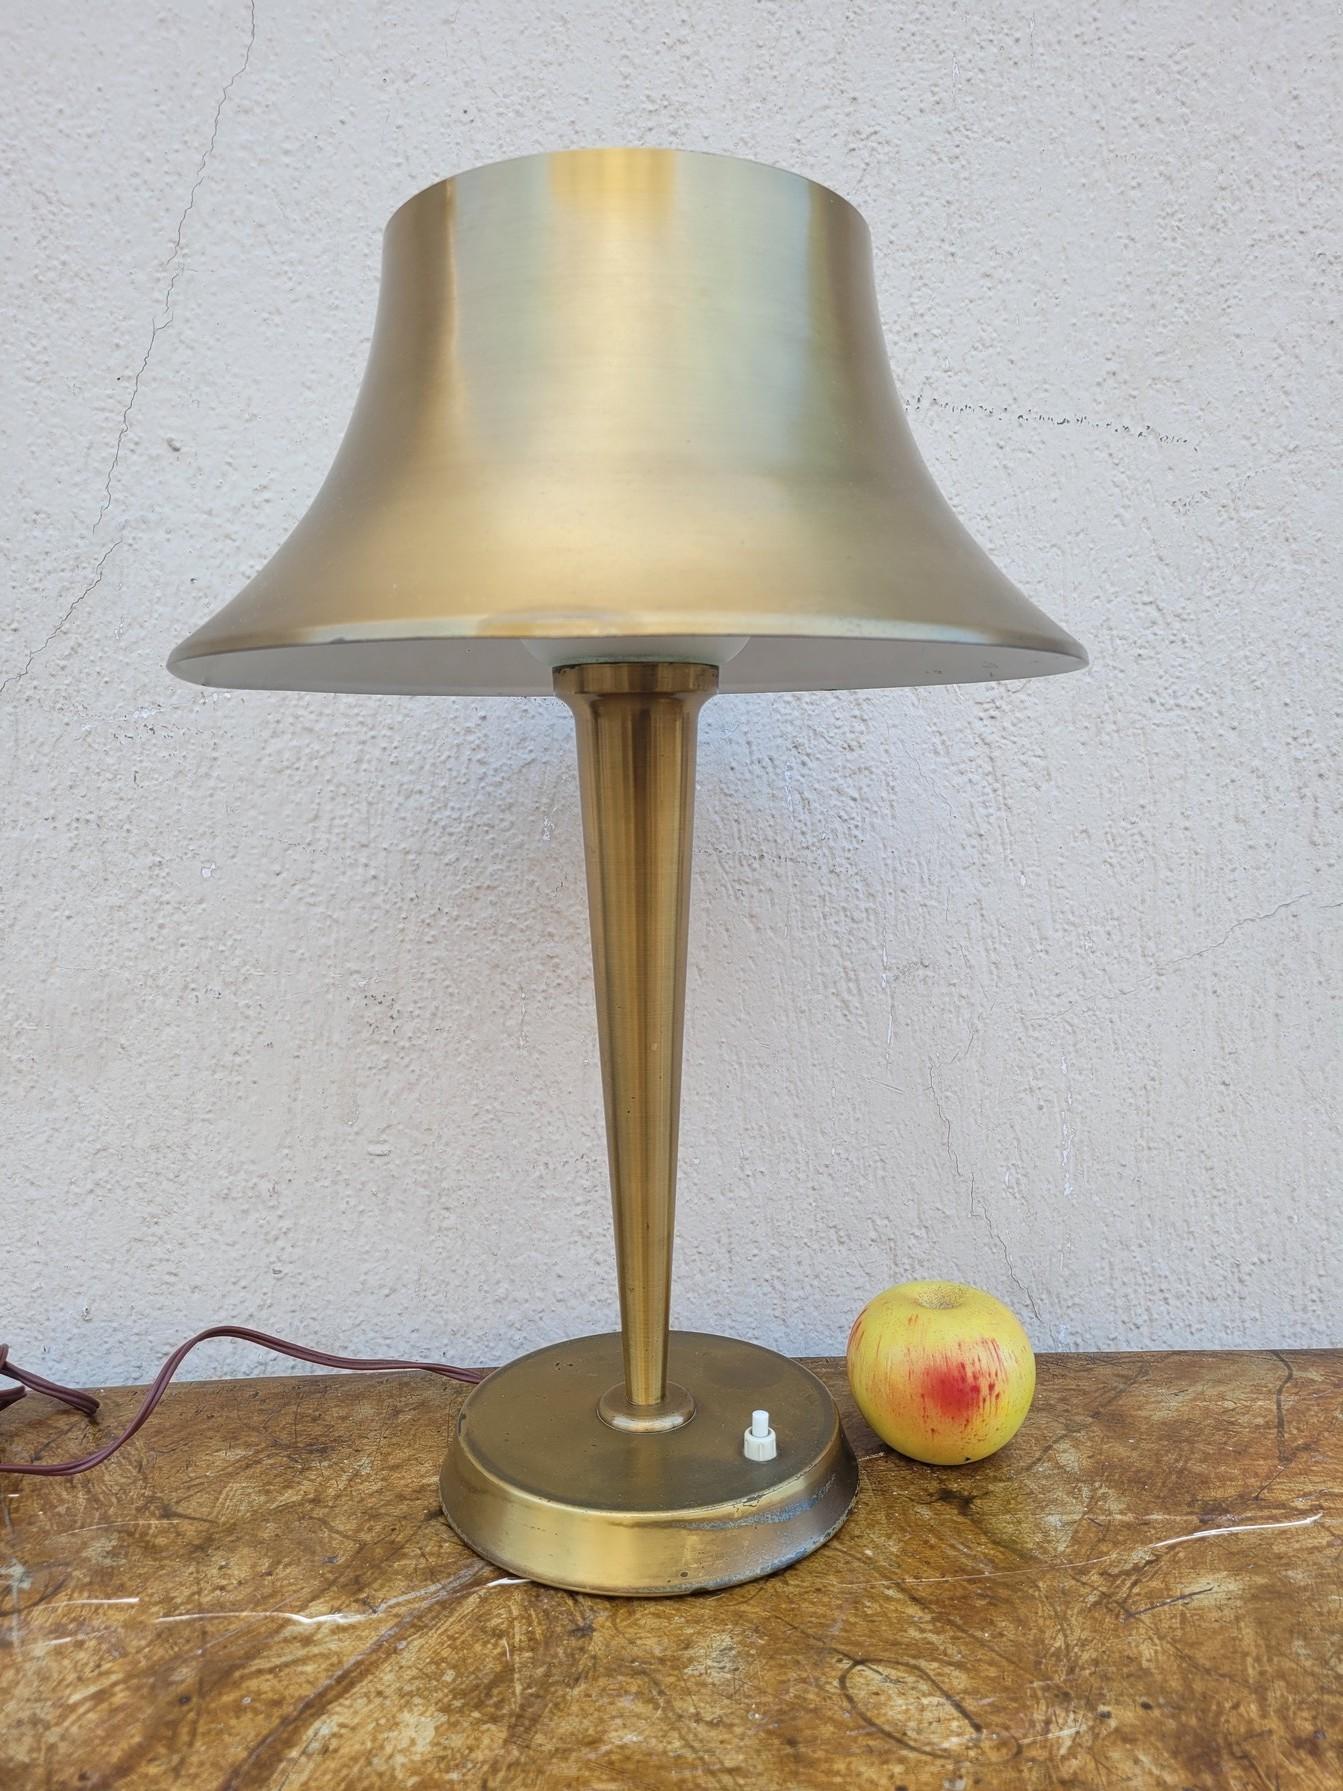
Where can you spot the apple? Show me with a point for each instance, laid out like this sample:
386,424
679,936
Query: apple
941,1371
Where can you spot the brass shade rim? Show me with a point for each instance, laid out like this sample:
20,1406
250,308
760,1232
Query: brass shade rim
729,627
612,151
1049,654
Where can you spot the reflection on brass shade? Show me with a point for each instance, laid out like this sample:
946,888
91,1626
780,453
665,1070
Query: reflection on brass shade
626,404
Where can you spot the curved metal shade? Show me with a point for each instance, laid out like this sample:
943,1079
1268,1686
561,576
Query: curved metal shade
626,403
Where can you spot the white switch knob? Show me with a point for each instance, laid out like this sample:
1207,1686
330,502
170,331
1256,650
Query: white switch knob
759,1442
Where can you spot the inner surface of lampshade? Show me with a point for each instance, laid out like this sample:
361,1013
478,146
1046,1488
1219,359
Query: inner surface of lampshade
457,667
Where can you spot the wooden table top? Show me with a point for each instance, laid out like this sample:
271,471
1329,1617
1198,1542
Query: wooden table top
1143,1590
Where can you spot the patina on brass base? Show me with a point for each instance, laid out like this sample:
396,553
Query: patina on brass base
537,1482
585,1465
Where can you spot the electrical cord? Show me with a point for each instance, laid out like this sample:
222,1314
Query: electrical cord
88,1405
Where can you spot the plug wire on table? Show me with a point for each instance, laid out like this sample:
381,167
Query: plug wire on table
88,1405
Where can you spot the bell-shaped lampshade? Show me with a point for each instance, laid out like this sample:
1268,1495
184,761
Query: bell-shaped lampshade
626,404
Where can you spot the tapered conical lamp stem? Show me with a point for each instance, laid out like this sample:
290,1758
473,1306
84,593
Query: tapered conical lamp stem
636,728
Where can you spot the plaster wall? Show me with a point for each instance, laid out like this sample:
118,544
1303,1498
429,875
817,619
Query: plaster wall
1035,986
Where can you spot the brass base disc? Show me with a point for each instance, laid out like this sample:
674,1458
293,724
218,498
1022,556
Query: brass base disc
539,1484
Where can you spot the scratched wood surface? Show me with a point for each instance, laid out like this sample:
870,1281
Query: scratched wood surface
1143,1590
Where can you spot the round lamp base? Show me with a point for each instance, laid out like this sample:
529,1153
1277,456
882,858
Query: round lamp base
537,1482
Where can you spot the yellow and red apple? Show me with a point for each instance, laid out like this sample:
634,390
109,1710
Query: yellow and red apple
941,1371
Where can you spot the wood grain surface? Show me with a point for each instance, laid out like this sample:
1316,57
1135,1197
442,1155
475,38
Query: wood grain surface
1142,1590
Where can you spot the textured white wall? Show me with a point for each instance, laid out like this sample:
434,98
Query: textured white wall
1033,986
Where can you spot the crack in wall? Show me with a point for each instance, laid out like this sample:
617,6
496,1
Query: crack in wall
173,268
1163,965
979,1213
923,400
71,607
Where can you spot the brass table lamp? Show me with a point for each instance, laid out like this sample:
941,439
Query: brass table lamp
628,432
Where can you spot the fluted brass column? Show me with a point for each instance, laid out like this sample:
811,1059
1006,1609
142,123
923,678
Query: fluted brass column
636,727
